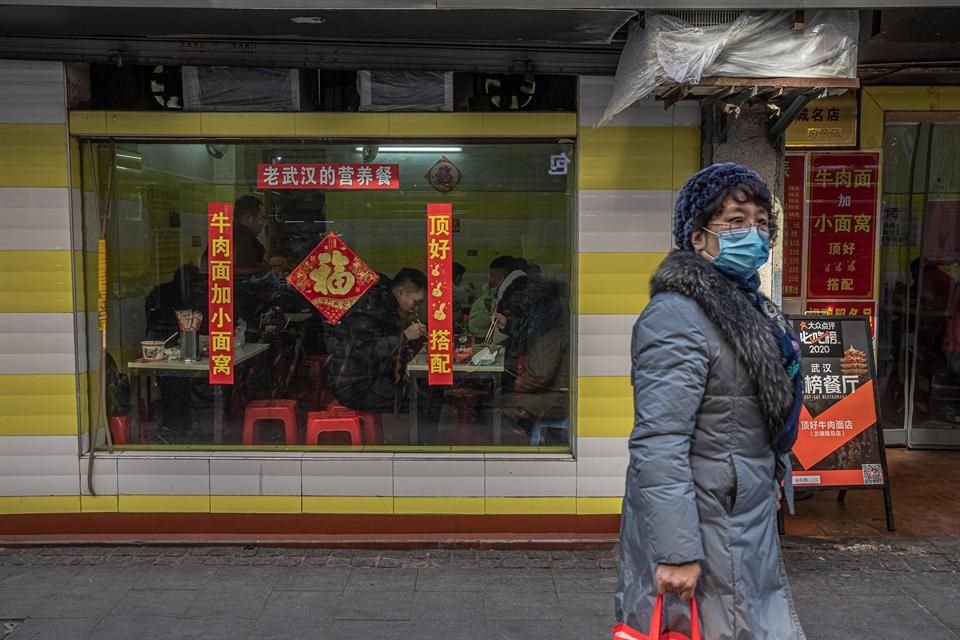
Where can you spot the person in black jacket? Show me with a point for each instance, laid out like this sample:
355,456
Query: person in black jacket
371,346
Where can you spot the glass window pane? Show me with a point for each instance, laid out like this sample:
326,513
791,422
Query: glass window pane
362,379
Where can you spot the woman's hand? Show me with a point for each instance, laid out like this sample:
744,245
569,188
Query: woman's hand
501,321
678,579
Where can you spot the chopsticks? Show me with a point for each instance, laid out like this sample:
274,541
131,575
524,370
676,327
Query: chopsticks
491,330
189,320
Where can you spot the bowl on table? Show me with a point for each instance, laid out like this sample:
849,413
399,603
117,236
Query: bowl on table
152,350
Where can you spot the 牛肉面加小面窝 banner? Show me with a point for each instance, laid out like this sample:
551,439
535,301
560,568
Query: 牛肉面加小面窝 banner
793,202
358,177
440,294
842,229
220,291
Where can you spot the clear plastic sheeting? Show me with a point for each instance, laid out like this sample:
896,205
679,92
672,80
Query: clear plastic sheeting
755,45
405,90
241,89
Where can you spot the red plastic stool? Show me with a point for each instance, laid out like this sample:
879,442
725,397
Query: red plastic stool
119,430
283,410
371,422
320,422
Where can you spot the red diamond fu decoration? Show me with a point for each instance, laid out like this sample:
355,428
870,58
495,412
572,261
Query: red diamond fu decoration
332,277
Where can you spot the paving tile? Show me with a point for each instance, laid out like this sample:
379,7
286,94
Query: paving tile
229,601
450,579
937,593
286,609
373,629
365,604
452,630
586,605
313,578
105,577
464,606
585,580
261,576
156,602
868,617
588,628
523,629
49,579
23,603
531,579
187,629
53,628
513,604
86,603
126,628
189,577
382,579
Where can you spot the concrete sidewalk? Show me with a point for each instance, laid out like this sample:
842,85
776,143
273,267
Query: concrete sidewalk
897,590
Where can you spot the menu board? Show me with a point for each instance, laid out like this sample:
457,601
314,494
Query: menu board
840,439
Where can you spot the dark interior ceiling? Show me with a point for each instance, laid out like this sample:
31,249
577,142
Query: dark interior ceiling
383,25
897,45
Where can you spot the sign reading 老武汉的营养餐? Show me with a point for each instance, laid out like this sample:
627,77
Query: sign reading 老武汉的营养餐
357,177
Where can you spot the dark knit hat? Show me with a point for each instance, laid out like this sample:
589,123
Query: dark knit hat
699,190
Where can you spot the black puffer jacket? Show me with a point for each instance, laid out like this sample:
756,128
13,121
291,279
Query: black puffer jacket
366,355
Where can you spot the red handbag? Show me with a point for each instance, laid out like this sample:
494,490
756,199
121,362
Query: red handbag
625,632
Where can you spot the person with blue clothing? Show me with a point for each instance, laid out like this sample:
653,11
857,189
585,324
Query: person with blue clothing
717,397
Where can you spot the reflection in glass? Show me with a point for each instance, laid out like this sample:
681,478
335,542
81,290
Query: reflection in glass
361,381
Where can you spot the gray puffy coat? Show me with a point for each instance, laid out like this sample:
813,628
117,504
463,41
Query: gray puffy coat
701,478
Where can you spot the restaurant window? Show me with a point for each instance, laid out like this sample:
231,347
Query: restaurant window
302,375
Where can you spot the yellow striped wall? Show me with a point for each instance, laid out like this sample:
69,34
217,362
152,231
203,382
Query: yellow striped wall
39,464
627,177
629,172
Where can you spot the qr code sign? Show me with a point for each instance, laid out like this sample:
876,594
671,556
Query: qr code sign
872,474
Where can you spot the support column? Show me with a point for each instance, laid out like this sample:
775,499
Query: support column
744,140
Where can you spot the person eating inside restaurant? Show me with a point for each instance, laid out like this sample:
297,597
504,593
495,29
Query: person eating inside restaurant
371,346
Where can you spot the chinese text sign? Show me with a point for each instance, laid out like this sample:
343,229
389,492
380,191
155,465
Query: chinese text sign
359,177
332,278
440,294
838,443
220,290
793,201
842,227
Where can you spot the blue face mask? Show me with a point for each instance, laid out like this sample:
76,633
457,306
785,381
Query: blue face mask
742,251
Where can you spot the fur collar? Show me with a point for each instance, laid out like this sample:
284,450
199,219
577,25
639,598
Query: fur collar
743,326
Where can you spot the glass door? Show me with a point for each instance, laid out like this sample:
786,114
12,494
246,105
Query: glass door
919,315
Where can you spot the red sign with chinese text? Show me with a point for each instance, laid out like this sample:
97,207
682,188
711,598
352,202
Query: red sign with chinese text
220,290
328,176
842,229
844,308
440,294
332,277
793,201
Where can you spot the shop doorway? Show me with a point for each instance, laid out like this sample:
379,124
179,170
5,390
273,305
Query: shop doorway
918,331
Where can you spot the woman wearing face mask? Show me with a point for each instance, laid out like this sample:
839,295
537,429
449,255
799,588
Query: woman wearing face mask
717,397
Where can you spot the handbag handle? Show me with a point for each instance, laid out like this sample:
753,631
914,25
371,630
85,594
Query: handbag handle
656,620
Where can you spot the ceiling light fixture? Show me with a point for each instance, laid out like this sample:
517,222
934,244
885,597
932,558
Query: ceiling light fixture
416,149
308,20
